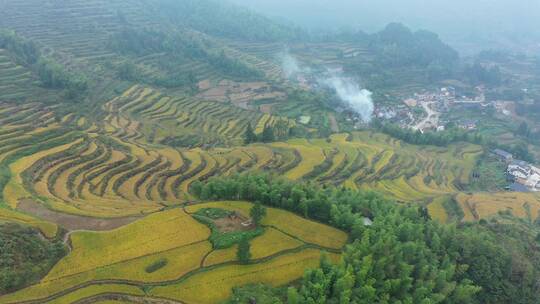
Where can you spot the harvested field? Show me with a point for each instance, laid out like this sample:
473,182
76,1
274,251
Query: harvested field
72,222
231,224
48,229
485,205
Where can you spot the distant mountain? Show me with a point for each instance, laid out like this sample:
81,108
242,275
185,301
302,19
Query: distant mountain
468,26
223,19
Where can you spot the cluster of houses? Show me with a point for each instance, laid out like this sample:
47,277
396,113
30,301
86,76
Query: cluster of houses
396,114
443,100
526,177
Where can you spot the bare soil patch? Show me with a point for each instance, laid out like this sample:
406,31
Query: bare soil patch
334,126
266,108
70,221
233,223
239,93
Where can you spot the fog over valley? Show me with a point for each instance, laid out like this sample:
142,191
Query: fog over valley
463,23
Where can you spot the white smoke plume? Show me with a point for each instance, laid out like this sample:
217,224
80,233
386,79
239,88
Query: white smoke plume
350,93
360,100
290,65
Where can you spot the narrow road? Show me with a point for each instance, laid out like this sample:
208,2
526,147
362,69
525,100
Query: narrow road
431,120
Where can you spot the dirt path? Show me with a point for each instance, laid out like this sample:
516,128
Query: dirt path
126,298
72,222
334,126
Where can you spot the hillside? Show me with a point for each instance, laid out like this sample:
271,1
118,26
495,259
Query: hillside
164,146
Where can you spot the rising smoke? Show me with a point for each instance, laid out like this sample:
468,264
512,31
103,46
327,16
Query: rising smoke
290,66
359,100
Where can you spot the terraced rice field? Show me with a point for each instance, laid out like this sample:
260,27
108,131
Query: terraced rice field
437,210
145,115
137,162
117,167
16,82
116,261
78,38
484,205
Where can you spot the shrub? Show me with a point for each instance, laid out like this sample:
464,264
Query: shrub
157,265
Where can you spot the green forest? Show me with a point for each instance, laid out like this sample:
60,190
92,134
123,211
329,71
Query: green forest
404,256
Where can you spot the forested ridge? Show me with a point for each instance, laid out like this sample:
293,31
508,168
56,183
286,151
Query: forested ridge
25,256
227,20
404,256
52,74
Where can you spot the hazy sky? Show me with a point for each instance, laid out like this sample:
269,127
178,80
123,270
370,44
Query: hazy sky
453,19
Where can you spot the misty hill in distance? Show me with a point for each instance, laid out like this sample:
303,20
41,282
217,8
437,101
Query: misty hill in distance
469,26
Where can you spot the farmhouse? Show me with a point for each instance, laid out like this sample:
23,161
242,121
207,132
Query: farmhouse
519,169
468,124
525,174
503,155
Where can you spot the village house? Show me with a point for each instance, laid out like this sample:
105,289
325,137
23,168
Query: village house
519,169
468,124
503,155
525,174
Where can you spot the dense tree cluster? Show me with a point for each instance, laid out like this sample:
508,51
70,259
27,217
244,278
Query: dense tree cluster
180,47
243,253
52,74
25,51
402,57
278,132
24,256
55,76
226,20
403,257
482,74
257,213
453,135
528,110
129,71
398,46
441,139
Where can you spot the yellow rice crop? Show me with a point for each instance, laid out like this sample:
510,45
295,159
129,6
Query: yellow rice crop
311,157
14,189
262,123
215,286
221,256
437,211
97,290
272,242
46,289
489,204
155,233
179,262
